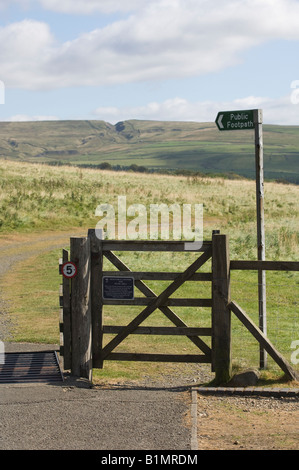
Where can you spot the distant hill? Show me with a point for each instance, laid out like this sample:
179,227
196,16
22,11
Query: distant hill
154,145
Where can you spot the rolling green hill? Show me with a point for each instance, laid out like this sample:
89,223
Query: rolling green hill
155,145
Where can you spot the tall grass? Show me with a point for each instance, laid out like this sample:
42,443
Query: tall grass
39,197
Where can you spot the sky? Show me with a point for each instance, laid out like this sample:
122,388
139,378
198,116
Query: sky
169,60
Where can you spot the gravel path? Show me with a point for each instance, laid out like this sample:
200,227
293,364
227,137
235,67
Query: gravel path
247,423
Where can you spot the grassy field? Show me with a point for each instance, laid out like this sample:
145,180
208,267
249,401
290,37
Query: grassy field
38,198
155,145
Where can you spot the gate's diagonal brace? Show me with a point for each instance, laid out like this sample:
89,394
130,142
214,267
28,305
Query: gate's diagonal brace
172,316
263,340
156,303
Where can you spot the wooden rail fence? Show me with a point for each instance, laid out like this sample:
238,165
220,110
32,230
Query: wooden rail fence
82,302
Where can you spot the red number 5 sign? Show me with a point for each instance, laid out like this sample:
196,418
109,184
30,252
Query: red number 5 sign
69,270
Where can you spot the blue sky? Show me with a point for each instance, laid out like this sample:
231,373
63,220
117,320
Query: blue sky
148,59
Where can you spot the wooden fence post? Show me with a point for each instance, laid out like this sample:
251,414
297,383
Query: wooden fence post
96,273
81,309
221,315
261,245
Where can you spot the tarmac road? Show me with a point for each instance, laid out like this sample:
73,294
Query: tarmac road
72,416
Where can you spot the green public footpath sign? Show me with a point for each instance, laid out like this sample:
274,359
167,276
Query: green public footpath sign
235,120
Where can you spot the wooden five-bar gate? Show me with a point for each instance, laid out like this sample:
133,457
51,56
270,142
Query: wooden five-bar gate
82,300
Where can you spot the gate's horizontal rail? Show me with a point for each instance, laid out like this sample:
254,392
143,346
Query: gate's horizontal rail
166,302
161,330
157,276
194,358
151,245
265,265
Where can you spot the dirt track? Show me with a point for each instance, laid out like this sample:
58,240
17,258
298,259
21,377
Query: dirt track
14,248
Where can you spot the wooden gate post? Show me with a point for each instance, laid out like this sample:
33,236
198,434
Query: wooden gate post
96,270
221,315
81,309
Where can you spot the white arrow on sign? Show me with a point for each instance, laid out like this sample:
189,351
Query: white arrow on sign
220,121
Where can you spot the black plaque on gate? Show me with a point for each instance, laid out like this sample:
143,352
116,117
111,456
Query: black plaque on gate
120,288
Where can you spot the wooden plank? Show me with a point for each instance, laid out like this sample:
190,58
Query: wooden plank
150,245
221,317
61,296
81,309
66,315
158,276
96,298
173,302
61,339
263,340
172,316
60,265
265,265
161,330
156,303
182,358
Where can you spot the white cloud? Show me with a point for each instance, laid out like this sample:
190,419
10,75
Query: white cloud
27,118
86,7
24,4
171,109
162,39
80,7
275,111
25,49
